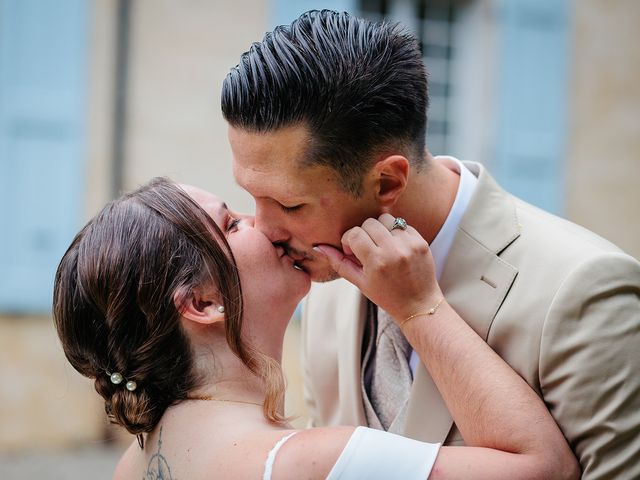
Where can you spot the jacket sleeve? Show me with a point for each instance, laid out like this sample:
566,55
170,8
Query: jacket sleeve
590,363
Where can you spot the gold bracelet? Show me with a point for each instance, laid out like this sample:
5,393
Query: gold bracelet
431,311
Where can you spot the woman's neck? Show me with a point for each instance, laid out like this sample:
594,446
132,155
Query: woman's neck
222,375
238,384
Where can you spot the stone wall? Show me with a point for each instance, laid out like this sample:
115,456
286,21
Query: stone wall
603,166
44,403
180,54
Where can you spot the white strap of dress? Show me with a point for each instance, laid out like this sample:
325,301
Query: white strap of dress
271,458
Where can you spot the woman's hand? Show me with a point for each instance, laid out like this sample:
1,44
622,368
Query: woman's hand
513,433
392,267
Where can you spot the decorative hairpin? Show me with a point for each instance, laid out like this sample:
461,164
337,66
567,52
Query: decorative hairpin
117,378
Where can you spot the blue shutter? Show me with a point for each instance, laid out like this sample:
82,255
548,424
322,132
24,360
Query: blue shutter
285,11
532,100
43,62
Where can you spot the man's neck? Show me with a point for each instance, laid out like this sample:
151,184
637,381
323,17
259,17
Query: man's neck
428,199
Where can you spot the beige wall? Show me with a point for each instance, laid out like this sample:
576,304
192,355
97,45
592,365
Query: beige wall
44,403
101,107
604,134
181,52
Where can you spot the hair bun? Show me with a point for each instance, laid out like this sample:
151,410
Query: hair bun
133,409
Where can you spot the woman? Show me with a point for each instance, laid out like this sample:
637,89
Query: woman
177,307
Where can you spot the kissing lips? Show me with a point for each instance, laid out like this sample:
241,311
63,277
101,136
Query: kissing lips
296,260
280,250
298,266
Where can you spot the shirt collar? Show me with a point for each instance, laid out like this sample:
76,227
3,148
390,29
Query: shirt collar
444,239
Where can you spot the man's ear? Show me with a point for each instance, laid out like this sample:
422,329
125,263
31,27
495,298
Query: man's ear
199,306
391,176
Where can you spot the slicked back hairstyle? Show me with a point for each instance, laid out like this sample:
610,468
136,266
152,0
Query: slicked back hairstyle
359,87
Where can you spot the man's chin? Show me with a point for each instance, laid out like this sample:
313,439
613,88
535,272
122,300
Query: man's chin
319,272
325,277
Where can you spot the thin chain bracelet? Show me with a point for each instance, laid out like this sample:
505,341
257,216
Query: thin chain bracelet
431,311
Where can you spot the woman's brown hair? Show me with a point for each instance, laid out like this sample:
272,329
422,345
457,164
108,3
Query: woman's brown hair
114,302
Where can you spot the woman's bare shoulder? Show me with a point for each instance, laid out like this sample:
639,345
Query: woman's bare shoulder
306,454
311,453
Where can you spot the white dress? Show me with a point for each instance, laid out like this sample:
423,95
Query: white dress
375,455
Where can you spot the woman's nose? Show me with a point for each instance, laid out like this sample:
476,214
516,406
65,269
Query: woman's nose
249,220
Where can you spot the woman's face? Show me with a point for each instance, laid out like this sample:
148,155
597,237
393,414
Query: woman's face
271,286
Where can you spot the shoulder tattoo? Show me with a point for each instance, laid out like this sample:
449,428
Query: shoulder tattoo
158,467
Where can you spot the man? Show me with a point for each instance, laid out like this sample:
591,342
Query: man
327,127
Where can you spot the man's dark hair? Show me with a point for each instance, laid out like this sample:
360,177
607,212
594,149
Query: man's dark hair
359,87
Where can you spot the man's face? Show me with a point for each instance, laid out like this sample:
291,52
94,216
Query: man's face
296,206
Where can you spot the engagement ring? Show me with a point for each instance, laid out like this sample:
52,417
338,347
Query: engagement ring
400,223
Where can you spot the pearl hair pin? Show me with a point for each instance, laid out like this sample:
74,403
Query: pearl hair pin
117,378
221,308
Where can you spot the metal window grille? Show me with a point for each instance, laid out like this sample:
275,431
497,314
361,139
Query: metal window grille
433,23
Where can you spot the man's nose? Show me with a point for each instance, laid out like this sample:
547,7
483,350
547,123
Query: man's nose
266,224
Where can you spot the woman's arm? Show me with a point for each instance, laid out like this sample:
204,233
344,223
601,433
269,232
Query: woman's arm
508,430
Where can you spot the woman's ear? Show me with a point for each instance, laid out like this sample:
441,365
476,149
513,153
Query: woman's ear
199,306
391,175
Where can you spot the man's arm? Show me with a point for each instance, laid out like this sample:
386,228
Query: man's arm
590,364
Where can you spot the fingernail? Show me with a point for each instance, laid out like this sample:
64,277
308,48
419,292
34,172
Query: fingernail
319,250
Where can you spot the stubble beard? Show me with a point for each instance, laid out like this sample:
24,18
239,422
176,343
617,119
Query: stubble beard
326,277
321,274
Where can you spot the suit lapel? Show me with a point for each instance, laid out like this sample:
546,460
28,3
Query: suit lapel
353,306
475,281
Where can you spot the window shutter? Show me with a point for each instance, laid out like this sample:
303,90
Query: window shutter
532,100
42,115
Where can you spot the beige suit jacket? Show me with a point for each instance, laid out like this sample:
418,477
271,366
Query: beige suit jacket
560,304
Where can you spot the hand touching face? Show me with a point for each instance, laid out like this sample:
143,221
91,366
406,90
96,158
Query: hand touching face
392,267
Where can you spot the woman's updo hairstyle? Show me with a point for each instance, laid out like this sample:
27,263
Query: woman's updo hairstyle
114,306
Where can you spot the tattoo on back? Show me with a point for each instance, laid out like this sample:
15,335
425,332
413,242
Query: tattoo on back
158,467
